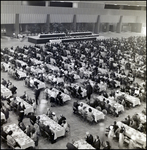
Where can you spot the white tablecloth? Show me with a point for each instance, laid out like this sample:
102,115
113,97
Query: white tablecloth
98,115
54,92
22,139
140,137
82,144
21,62
55,127
36,61
5,65
103,87
134,100
21,74
103,71
113,103
36,70
52,67
29,108
5,91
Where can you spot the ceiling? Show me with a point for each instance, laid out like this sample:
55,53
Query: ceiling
131,3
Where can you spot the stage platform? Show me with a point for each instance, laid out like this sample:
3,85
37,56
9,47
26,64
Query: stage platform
37,40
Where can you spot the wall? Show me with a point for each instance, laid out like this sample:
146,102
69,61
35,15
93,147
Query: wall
86,13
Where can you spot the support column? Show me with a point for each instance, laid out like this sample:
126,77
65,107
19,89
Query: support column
119,25
48,23
16,24
74,22
97,25
47,3
107,27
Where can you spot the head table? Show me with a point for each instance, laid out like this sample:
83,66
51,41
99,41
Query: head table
20,137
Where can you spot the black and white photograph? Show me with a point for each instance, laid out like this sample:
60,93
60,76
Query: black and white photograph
73,74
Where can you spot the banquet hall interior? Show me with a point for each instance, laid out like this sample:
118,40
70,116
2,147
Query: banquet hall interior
73,74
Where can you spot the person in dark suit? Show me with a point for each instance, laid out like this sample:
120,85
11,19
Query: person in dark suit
89,90
61,119
97,143
37,93
89,138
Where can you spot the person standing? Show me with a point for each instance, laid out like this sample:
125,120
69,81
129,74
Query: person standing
37,93
121,137
97,143
89,90
111,135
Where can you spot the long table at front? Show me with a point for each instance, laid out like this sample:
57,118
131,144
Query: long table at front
5,92
134,100
129,132
119,107
20,137
82,144
98,115
57,129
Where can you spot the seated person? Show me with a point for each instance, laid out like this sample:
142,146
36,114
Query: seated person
107,105
80,92
13,104
54,117
61,119
28,130
105,94
59,99
3,133
24,96
16,74
10,140
75,106
90,116
22,126
80,107
49,113
84,112
133,124
4,82
64,124
32,118
70,146
50,133
102,104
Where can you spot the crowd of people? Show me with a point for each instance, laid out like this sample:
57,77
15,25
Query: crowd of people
98,62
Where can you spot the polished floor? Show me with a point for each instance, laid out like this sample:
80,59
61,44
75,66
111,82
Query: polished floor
78,127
